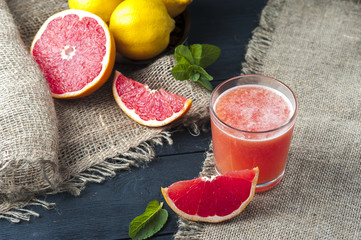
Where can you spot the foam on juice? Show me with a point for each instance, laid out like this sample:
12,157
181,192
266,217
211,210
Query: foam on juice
253,108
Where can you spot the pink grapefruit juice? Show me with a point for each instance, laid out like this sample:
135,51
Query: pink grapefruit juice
251,127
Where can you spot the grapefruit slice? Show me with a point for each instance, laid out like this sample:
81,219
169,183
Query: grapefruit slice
75,51
214,199
148,107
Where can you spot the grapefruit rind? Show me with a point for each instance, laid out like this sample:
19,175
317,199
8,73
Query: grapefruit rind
150,123
215,218
108,59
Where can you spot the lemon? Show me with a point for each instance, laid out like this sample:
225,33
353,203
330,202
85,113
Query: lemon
141,28
176,7
102,9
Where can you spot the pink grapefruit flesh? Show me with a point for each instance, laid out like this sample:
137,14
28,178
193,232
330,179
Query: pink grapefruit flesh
75,51
214,199
146,106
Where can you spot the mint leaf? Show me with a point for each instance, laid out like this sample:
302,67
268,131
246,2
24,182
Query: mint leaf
192,60
194,69
153,226
196,50
205,84
183,55
209,55
150,222
180,72
205,75
195,77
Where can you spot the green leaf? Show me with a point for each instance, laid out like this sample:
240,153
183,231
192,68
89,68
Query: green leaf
206,76
205,84
196,50
193,69
192,60
180,72
209,55
183,55
198,74
151,228
150,222
194,77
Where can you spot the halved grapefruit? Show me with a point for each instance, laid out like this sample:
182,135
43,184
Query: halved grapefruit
213,199
75,51
148,107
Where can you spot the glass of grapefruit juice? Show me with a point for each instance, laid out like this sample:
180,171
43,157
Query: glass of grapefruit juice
252,120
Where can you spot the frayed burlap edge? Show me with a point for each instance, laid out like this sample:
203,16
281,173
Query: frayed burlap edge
256,50
135,157
19,211
13,204
261,38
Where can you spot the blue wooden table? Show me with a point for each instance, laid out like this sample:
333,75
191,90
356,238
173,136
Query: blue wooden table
104,211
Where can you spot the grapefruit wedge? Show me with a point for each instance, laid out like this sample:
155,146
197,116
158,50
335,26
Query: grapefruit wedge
75,51
213,199
148,107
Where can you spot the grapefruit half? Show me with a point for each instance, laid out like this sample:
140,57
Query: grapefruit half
148,107
214,199
75,51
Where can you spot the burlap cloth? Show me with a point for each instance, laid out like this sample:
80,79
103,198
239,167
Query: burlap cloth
48,145
314,46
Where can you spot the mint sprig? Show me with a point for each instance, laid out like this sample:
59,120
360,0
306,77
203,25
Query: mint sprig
149,223
192,61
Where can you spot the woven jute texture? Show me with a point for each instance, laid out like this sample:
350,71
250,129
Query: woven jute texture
28,124
313,46
49,145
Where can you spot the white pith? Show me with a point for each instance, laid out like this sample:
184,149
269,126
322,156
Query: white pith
106,57
209,178
68,52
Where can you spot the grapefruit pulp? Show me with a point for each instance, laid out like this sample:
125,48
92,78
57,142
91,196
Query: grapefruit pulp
75,51
148,107
214,199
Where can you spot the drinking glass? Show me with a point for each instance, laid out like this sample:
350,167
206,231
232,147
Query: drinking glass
236,149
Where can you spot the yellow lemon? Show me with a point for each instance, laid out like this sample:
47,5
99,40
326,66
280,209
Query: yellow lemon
102,9
141,28
176,7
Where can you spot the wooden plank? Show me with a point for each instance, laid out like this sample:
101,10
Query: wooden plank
104,211
229,25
